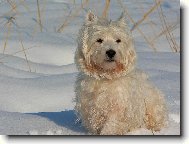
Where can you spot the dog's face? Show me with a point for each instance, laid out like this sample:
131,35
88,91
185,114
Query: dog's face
107,48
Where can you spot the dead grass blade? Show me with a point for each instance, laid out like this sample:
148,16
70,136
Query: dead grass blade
146,15
70,17
23,49
39,15
23,2
38,20
106,9
7,36
169,35
171,28
13,6
138,29
3,57
151,23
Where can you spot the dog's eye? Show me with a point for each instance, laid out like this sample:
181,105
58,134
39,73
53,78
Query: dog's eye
118,41
99,40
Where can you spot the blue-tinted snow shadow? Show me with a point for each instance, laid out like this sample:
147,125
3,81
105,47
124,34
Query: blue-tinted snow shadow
66,119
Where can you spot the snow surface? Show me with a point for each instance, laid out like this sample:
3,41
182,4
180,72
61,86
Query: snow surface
41,101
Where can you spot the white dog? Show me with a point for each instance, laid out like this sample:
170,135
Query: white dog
112,97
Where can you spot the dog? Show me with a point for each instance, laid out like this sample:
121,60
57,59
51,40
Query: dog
112,96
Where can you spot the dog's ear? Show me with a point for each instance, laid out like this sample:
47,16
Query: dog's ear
121,20
91,18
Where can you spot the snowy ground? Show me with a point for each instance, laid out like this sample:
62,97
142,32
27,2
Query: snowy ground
40,100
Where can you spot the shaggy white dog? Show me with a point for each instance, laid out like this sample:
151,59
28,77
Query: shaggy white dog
112,97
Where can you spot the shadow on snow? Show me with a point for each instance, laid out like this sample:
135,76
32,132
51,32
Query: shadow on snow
66,119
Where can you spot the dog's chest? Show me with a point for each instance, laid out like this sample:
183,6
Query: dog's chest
109,93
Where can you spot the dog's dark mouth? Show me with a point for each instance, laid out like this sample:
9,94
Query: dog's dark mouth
110,60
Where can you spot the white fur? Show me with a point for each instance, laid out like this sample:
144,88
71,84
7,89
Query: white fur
114,98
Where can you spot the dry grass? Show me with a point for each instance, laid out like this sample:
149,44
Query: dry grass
167,29
71,16
169,35
25,5
146,14
13,5
11,21
106,9
23,49
153,26
39,16
137,28
7,36
17,52
170,27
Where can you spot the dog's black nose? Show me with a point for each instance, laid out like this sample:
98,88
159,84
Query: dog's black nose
110,53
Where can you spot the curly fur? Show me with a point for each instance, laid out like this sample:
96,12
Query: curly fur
114,98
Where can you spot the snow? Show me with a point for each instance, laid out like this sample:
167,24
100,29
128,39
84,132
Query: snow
39,124
40,100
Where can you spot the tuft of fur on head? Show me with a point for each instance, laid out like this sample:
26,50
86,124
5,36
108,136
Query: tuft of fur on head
96,37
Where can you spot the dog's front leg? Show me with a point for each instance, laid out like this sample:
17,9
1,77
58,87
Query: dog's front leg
156,112
113,126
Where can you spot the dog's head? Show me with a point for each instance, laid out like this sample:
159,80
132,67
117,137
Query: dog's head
105,48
